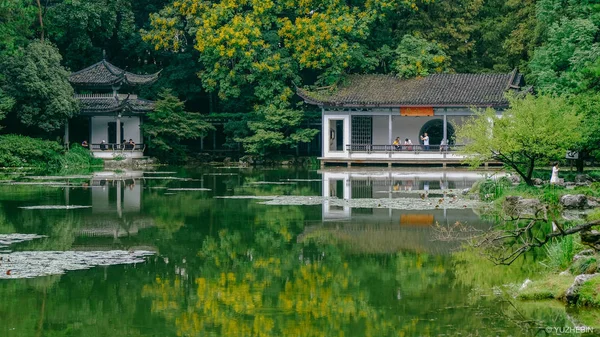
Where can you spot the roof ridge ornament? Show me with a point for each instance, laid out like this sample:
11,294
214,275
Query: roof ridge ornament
104,54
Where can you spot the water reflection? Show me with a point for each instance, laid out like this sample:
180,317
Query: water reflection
387,230
235,267
116,206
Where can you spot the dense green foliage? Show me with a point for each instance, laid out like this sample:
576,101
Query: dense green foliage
18,151
222,56
533,131
22,151
37,83
169,124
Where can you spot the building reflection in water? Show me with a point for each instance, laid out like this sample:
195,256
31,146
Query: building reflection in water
379,230
116,202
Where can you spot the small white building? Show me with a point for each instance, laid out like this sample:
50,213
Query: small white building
364,114
114,118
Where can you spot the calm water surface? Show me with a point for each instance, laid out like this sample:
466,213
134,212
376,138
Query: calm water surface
236,267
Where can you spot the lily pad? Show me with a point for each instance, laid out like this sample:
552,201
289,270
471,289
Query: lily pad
259,197
9,239
319,180
159,172
31,264
34,183
394,203
59,177
55,207
271,183
189,189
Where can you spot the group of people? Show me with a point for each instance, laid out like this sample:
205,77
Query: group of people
126,145
408,145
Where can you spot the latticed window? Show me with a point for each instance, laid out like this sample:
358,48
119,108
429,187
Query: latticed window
362,130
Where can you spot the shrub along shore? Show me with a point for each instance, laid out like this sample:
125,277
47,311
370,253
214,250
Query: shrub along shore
22,151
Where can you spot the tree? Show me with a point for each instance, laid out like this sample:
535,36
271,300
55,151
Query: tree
419,57
16,17
273,128
6,104
505,37
450,24
253,53
43,97
169,124
570,44
533,131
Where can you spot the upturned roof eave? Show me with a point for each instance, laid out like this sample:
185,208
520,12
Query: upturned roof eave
120,77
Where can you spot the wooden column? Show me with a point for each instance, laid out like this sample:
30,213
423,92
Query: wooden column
445,129
391,137
66,139
118,125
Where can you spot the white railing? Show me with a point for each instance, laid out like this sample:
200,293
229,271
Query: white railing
121,96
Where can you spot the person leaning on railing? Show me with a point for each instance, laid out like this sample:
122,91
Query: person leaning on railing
408,144
443,145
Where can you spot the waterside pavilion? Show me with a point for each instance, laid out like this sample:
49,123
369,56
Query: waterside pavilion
113,117
363,115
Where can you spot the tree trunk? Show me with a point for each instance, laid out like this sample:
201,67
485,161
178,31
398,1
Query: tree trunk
530,172
579,163
41,18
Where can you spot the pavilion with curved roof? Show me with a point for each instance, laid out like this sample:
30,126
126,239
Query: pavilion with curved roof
114,117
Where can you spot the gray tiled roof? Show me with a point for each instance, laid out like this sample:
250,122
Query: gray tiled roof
112,105
434,90
105,74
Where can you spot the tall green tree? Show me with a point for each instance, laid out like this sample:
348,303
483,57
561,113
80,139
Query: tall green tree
169,124
418,57
505,37
253,53
532,132
570,44
36,80
16,18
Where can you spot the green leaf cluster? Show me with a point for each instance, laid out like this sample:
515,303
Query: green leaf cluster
19,151
533,131
37,86
169,124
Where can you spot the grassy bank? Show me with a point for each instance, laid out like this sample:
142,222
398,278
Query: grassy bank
559,272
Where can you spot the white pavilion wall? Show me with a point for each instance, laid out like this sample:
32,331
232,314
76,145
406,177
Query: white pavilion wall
381,130
100,128
409,127
131,129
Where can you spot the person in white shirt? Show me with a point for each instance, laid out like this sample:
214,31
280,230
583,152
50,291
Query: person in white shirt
425,139
554,178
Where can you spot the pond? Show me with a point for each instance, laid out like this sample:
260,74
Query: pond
246,252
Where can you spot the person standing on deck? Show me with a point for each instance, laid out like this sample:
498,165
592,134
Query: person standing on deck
425,139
